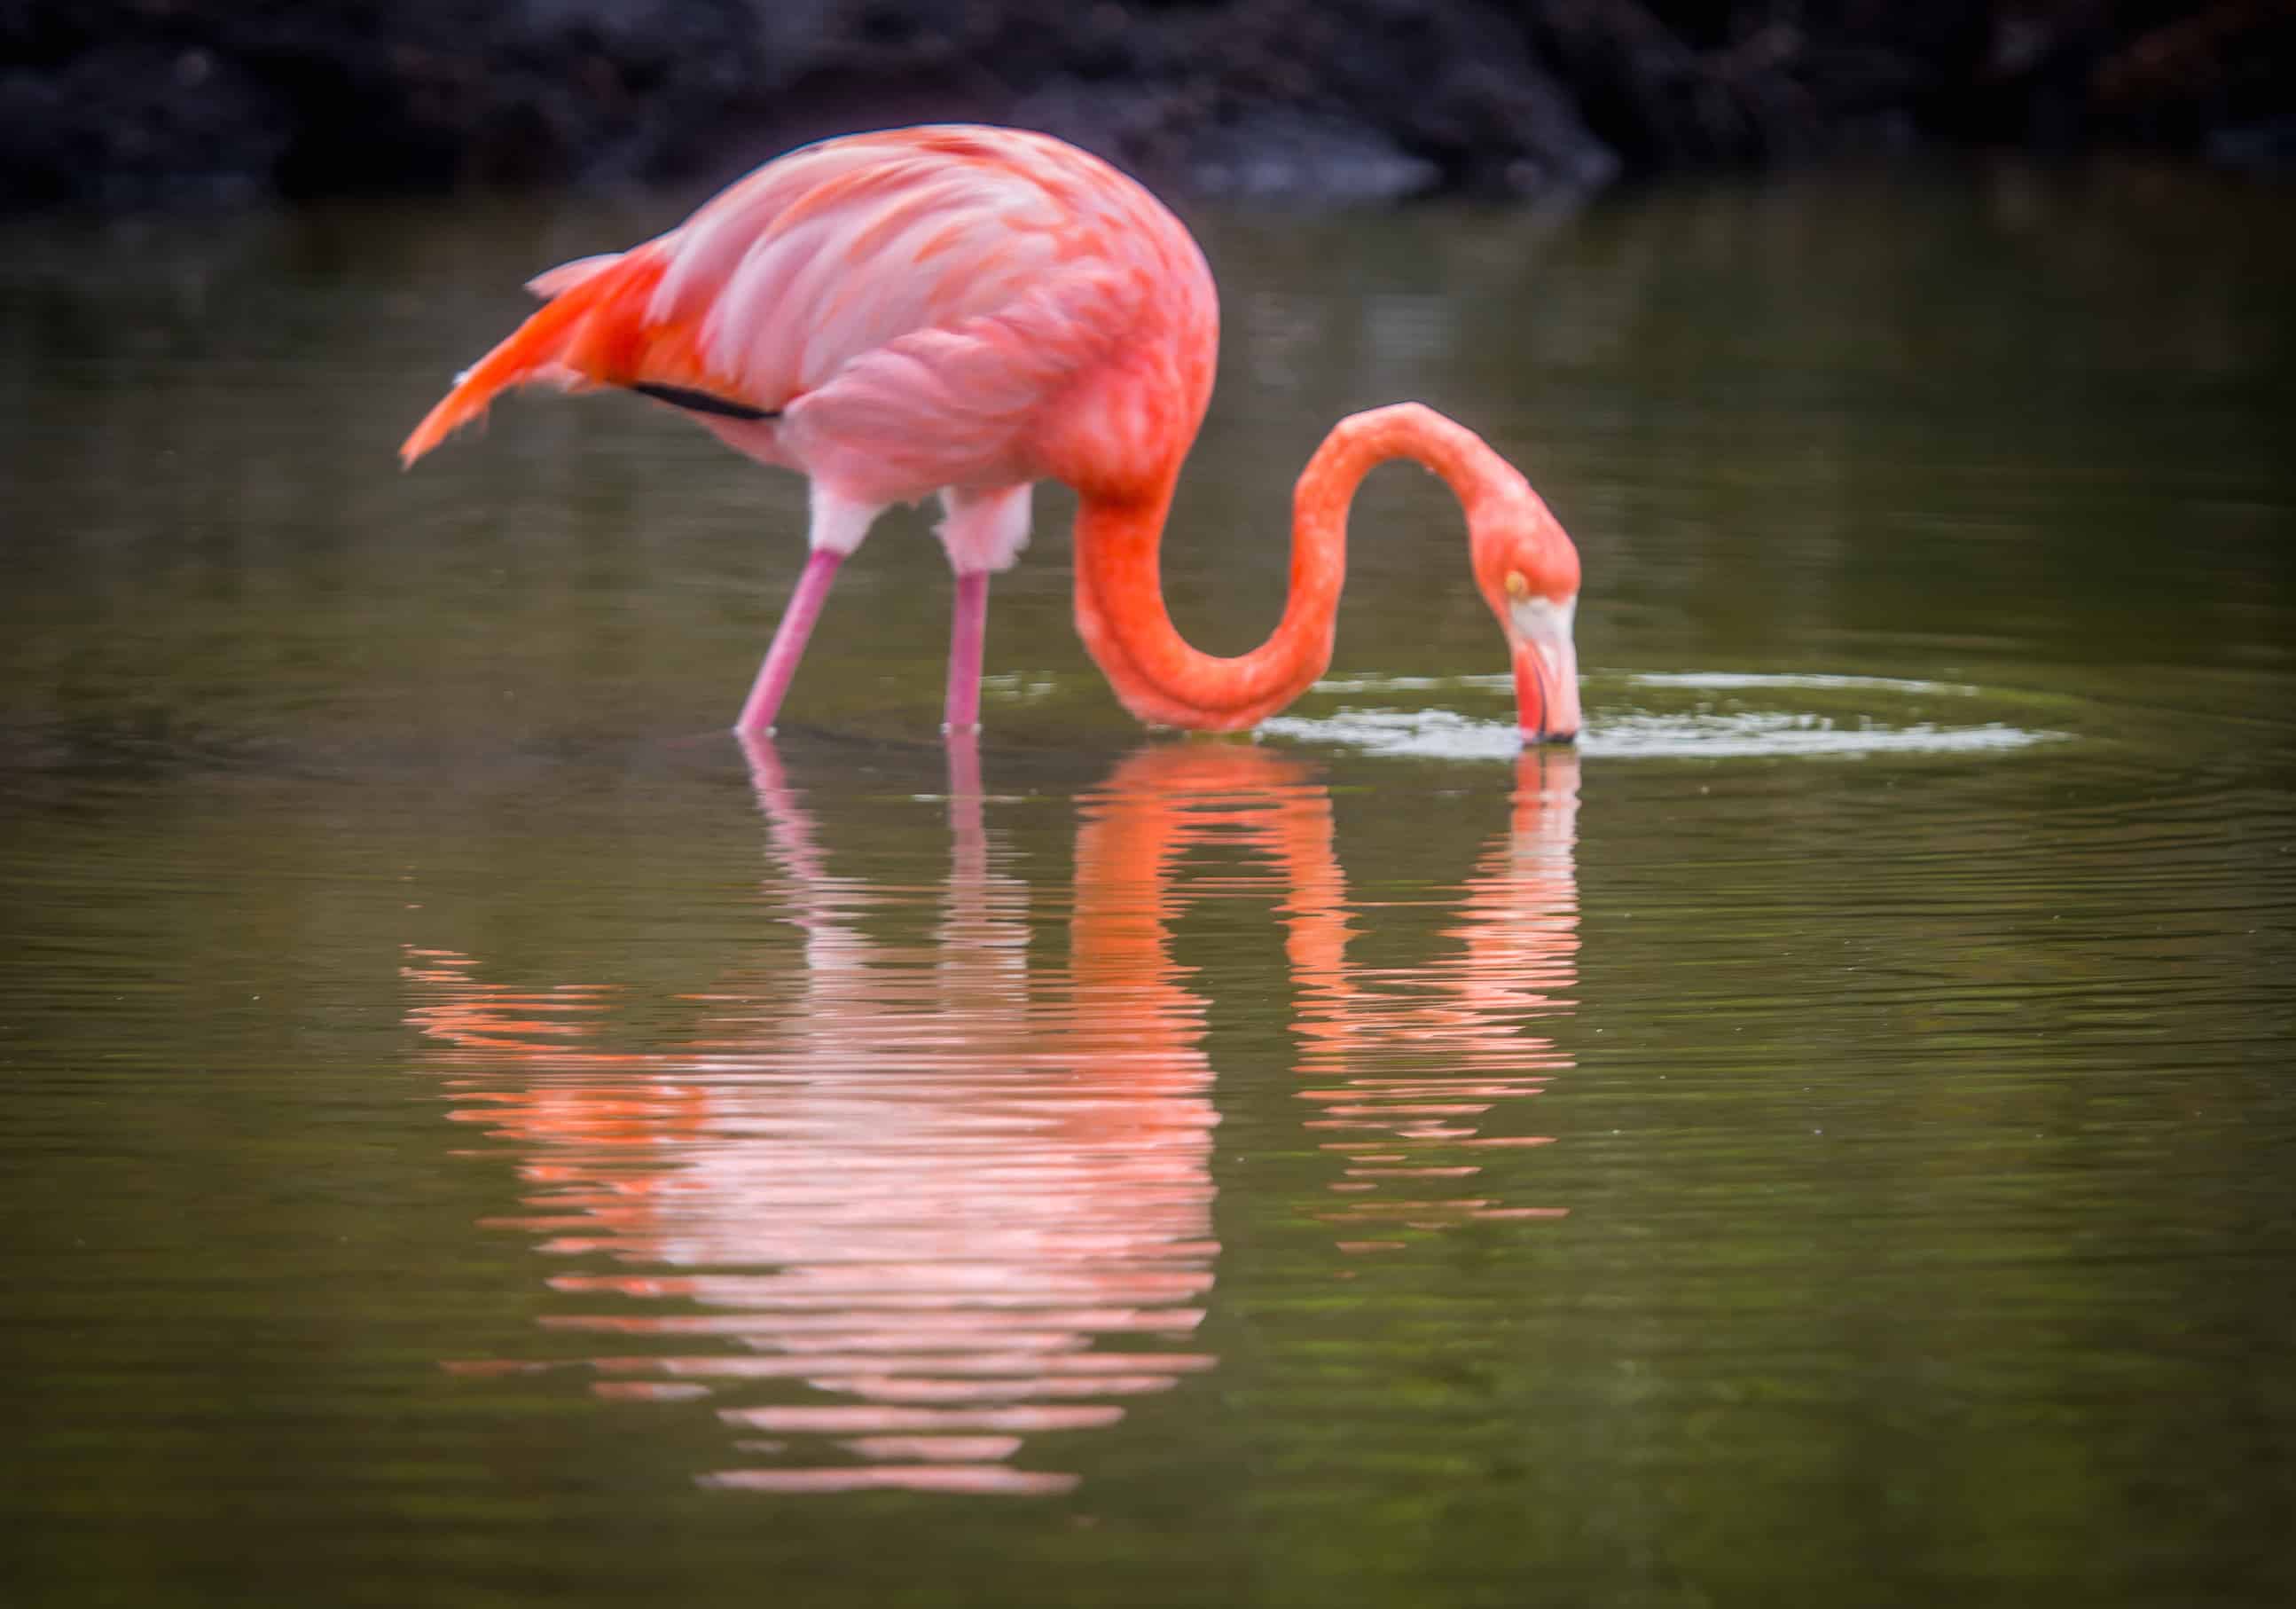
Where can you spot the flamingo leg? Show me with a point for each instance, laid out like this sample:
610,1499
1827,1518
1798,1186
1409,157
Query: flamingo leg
967,625
765,700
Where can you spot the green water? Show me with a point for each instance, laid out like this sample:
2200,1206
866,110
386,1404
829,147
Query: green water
473,1136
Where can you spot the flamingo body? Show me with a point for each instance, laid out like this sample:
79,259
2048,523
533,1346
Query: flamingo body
965,311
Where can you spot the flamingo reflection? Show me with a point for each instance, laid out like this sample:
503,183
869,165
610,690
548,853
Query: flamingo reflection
1406,1063
935,1200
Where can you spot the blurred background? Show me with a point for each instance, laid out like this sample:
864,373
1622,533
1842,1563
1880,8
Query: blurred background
471,1136
139,102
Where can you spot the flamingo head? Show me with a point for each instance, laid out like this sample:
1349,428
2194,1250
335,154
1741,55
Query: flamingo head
1528,571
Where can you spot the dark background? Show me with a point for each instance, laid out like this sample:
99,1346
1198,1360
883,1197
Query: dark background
144,103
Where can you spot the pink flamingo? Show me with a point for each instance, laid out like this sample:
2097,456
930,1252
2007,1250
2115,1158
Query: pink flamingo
966,311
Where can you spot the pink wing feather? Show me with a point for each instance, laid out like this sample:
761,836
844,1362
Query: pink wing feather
907,304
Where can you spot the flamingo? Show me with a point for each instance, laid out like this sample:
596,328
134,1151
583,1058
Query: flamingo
967,310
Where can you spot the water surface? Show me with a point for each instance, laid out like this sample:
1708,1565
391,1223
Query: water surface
477,1135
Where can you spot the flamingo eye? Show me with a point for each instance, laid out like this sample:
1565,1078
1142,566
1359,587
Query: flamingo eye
1516,586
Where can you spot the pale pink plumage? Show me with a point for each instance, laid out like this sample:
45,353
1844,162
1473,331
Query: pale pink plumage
907,306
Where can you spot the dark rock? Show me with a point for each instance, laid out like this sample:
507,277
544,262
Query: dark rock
163,102
2266,148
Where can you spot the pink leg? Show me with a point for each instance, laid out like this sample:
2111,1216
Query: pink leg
765,700
962,713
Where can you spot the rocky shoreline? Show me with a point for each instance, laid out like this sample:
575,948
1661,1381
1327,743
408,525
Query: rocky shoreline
173,102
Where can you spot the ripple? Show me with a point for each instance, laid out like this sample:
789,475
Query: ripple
1703,731
1734,681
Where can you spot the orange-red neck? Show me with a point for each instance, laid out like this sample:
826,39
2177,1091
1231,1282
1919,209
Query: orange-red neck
1119,595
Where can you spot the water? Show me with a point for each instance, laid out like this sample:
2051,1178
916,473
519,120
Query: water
474,1135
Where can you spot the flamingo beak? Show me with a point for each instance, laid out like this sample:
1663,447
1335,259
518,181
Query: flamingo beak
1546,668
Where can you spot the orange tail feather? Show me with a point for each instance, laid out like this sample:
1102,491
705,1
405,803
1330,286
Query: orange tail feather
594,332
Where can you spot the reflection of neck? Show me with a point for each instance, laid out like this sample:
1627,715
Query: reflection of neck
1520,922
1518,929
1163,801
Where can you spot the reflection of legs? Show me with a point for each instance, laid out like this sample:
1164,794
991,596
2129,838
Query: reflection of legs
765,700
787,825
971,842
967,625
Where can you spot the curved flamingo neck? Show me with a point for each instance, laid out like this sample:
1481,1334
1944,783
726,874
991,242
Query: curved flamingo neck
1119,595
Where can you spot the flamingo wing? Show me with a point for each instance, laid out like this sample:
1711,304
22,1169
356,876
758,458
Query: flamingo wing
887,313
